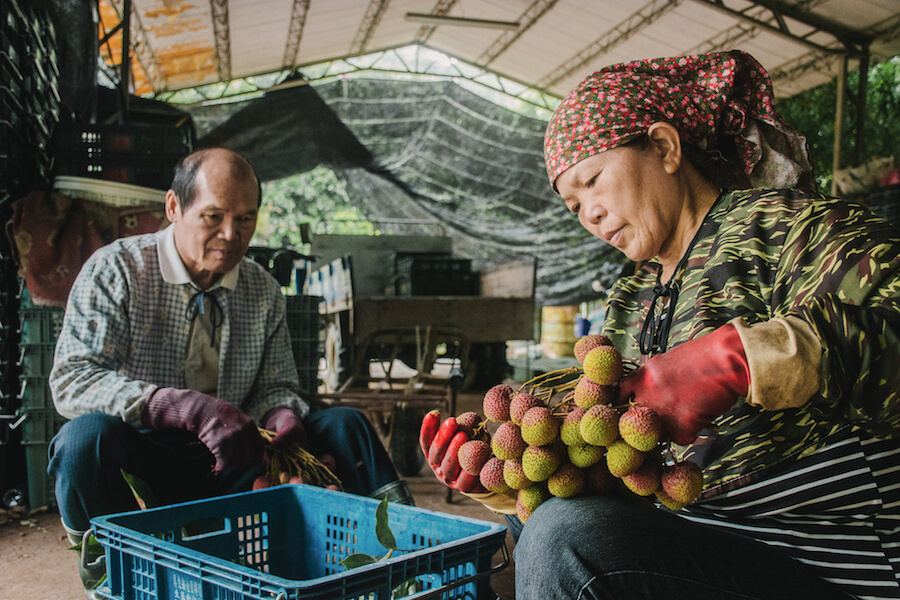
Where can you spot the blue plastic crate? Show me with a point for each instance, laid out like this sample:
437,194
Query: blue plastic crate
286,543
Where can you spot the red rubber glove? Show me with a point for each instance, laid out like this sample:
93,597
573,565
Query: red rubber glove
225,430
440,442
692,384
287,426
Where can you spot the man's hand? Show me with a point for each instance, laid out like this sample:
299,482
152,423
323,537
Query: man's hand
225,430
287,426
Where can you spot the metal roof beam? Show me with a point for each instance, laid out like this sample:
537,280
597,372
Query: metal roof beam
442,8
374,12
140,45
650,13
222,37
853,43
295,32
531,15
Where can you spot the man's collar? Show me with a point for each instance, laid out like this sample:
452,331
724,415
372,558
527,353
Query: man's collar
172,267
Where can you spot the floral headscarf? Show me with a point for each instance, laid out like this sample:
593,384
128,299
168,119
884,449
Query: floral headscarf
703,96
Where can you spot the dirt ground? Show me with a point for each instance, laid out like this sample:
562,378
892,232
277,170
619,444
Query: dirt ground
36,564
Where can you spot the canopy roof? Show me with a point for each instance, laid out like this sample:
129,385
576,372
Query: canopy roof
547,46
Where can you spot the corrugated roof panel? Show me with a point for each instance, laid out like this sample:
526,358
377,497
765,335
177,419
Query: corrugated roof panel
179,34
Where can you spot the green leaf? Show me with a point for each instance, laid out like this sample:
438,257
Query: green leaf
141,491
359,560
382,529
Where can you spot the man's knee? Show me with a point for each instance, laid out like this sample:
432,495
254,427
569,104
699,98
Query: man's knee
87,434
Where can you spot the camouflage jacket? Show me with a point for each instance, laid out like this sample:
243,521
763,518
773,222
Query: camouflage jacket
762,254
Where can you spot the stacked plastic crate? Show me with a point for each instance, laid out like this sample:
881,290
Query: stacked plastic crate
306,326
39,420
29,109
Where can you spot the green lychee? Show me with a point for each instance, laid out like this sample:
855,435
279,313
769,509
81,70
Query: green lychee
641,427
507,442
587,393
514,475
682,481
585,455
520,404
539,426
587,343
569,431
529,499
496,403
472,455
646,480
603,365
539,463
623,459
567,481
491,476
667,500
600,425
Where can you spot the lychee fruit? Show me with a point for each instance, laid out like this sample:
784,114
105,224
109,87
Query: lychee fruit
539,463
682,481
646,480
587,393
623,459
520,404
667,500
603,365
600,425
585,455
472,455
587,343
539,426
569,431
491,476
529,499
567,481
496,403
514,475
467,422
598,479
641,427
507,442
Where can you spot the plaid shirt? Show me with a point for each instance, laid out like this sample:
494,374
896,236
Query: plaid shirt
125,333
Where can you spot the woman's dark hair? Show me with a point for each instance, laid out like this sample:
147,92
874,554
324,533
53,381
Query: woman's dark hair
720,166
184,182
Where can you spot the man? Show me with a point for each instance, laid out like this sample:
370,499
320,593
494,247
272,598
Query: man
173,338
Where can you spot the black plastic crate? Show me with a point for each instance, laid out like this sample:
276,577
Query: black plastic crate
97,140
433,276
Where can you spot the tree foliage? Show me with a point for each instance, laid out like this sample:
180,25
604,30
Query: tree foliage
317,199
813,112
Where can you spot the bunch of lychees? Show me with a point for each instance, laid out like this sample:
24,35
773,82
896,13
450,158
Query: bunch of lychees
581,444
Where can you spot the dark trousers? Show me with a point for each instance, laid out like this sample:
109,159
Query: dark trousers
606,548
89,453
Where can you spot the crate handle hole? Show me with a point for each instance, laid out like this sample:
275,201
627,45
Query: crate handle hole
204,528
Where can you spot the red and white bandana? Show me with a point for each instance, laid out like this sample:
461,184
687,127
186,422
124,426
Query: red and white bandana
703,96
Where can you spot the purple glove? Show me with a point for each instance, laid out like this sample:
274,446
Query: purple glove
287,426
225,430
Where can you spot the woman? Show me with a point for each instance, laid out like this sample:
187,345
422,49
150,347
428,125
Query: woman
767,311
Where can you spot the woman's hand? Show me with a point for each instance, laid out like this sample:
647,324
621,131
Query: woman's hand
692,384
